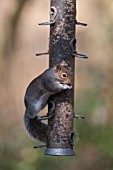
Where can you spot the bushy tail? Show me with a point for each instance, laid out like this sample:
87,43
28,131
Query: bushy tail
35,128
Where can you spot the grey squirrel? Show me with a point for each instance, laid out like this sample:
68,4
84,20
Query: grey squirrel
51,81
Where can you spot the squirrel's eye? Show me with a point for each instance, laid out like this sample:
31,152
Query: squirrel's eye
64,75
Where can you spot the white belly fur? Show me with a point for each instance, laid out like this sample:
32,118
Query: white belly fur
41,102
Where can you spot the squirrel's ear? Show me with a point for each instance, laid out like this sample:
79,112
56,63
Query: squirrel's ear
58,67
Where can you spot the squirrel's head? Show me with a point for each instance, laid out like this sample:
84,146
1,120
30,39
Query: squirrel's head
63,74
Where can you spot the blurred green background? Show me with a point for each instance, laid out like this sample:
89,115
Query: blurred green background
20,39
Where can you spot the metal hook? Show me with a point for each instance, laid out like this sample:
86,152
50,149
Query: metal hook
80,23
46,53
53,13
45,117
72,138
79,116
74,52
80,55
37,147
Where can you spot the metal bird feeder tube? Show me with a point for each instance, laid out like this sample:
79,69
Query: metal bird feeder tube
60,139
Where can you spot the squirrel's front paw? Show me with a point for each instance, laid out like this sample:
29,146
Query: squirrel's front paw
65,86
69,87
